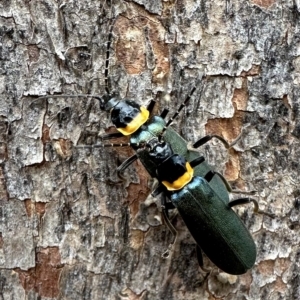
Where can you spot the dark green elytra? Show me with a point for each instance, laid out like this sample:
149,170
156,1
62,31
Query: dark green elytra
216,228
152,129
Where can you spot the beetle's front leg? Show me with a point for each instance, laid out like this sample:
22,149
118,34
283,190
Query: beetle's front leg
109,136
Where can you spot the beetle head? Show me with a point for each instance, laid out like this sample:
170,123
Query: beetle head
159,151
127,115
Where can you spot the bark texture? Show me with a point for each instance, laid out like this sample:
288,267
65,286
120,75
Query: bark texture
66,230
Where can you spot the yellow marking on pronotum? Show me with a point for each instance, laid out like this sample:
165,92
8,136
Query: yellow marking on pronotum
181,181
136,123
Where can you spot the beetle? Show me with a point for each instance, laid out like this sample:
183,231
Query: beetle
216,228
135,121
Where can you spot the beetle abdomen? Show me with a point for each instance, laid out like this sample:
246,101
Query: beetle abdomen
216,228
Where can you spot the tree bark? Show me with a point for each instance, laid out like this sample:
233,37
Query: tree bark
68,229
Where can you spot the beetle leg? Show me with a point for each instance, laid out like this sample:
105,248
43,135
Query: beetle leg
91,132
228,186
199,256
247,200
165,207
207,138
167,222
208,177
200,260
151,105
126,163
243,192
164,113
111,136
197,161
159,189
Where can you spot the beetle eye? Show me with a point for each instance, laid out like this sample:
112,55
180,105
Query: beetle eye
127,119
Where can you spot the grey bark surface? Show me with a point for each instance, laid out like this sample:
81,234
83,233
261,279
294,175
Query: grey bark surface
66,230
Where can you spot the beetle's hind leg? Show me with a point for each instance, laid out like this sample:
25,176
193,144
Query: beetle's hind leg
228,186
200,260
247,200
240,201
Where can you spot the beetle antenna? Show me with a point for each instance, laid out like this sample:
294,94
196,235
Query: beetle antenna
101,99
135,145
98,97
185,102
109,41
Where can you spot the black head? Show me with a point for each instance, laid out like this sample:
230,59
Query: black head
127,115
124,112
173,171
159,151
108,101
172,168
